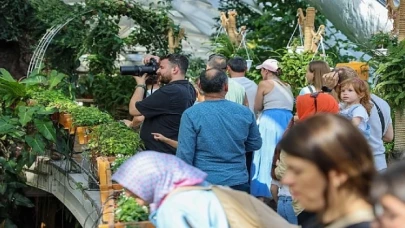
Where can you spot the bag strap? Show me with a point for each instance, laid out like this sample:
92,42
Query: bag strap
310,89
380,114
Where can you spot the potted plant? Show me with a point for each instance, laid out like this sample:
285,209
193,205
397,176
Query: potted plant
129,212
113,139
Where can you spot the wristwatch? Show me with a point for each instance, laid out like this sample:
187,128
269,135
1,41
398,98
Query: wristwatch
141,85
326,89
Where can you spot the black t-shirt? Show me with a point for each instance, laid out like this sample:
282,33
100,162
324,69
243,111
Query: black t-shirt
162,111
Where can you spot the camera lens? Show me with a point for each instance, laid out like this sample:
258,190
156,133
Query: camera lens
129,70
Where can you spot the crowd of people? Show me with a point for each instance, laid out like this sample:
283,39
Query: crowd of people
320,156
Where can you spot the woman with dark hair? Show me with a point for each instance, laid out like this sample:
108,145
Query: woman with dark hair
329,171
388,194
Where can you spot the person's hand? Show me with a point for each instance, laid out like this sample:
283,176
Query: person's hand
159,137
141,80
147,58
127,122
330,80
278,162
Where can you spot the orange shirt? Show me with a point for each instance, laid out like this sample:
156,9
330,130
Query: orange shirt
306,105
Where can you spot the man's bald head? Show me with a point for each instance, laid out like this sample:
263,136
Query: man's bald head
213,80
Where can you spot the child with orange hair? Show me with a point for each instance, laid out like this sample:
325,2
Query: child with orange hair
354,95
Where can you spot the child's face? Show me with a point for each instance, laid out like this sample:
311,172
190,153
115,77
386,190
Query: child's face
349,95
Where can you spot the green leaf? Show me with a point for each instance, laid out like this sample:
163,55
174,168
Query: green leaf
47,110
36,143
5,127
3,188
46,128
25,113
6,75
22,200
35,80
55,79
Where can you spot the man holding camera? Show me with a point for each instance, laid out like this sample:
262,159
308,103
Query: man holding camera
163,109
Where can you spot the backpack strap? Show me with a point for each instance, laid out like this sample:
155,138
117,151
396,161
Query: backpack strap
310,89
380,114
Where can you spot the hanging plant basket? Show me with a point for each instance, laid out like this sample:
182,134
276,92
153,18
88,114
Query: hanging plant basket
297,49
381,51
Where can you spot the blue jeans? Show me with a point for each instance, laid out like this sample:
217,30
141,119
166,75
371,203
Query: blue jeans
285,209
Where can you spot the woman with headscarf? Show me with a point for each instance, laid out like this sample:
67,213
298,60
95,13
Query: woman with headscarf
151,177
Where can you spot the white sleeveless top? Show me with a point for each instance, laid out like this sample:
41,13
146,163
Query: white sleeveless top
280,97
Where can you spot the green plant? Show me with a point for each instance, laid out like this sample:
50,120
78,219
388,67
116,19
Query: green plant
111,93
294,67
25,133
391,82
114,138
88,116
128,210
119,160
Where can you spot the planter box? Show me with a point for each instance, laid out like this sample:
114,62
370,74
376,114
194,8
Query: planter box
65,119
107,190
129,225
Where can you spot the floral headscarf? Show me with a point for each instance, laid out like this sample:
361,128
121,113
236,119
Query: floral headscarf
152,175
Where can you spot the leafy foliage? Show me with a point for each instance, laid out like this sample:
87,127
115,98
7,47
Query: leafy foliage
294,67
114,138
111,93
128,210
391,74
26,131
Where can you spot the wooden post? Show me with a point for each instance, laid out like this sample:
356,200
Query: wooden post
401,21
174,40
229,24
393,14
309,28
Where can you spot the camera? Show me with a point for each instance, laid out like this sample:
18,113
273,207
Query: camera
149,69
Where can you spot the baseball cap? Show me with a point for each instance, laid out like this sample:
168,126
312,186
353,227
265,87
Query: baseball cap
270,64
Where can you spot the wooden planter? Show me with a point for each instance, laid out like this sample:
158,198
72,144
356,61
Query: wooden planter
107,190
65,119
83,135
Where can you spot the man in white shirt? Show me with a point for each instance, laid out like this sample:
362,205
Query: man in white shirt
237,68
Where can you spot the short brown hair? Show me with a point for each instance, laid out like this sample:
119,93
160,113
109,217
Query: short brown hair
331,142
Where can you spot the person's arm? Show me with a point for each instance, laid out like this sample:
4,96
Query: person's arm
389,134
162,138
274,190
359,114
158,103
260,96
254,140
140,89
187,140
245,101
356,121
281,166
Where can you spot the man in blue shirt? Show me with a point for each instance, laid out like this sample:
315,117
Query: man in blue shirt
214,135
